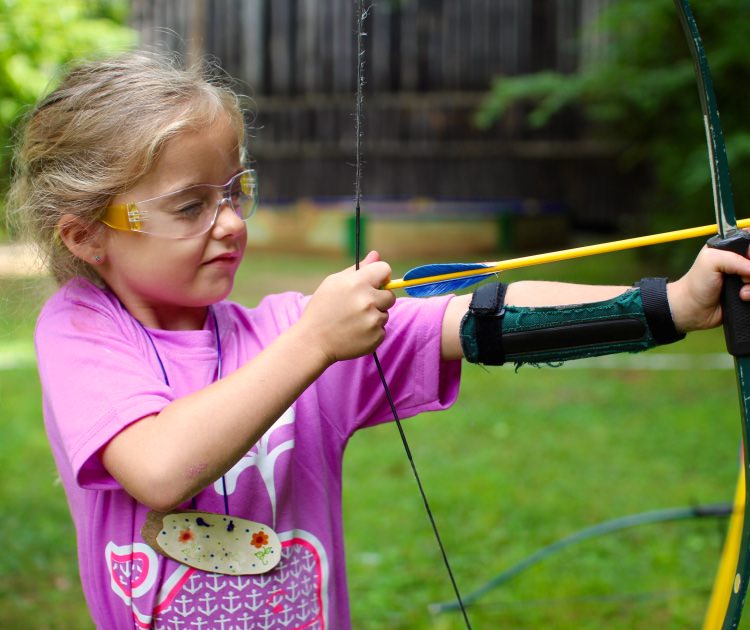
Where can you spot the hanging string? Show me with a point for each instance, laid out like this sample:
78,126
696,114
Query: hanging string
358,130
219,372
217,336
358,120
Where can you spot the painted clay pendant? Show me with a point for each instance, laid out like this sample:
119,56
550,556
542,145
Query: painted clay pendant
216,543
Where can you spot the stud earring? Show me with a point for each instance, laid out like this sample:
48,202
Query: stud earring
97,259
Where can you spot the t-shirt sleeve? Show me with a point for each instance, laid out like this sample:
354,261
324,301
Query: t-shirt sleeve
418,378
96,379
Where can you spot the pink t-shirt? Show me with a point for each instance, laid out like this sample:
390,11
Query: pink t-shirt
99,374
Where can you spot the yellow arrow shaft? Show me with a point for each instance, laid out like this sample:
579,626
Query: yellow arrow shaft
566,254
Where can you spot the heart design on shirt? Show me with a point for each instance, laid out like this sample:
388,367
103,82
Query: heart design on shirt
132,569
292,596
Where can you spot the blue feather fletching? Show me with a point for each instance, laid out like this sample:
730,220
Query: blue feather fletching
443,286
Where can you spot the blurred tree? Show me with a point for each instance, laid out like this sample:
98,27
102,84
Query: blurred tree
641,92
37,37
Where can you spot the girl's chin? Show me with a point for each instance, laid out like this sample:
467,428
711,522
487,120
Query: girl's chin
221,290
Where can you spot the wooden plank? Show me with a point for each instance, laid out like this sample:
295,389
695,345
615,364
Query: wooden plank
594,41
523,36
483,35
344,47
252,45
139,20
307,50
191,20
233,33
160,18
381,43
325,47
451,50
408,47
504,48
279,57
431,36
567,35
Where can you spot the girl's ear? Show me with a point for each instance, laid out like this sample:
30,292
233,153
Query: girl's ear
85,240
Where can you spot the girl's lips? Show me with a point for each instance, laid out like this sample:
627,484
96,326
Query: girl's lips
226,259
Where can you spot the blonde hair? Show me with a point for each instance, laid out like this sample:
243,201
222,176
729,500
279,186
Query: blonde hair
97,134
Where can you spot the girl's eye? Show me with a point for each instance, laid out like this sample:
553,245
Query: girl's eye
189,211
236,192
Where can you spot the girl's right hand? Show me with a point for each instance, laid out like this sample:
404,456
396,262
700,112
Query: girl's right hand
346,315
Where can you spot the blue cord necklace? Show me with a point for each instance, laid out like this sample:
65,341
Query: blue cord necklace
216,543
218,377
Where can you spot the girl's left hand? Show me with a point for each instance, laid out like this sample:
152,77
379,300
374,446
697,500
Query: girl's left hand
695,298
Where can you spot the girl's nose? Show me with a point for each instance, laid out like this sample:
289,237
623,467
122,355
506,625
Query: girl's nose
228,222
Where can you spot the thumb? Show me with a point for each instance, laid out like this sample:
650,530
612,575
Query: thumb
371,257
377,270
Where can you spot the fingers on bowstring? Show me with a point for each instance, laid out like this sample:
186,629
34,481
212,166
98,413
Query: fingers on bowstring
384,300
372,256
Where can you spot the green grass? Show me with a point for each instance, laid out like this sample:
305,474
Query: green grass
521,460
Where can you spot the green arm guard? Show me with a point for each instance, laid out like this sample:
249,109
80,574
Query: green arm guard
493,333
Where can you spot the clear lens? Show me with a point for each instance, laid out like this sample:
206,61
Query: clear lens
188,212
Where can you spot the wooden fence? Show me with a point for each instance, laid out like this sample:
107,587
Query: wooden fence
428,63
294,47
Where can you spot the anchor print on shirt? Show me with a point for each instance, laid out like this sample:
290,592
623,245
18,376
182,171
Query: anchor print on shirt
291,597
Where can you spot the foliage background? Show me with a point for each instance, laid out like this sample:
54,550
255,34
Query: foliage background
642,94
37,38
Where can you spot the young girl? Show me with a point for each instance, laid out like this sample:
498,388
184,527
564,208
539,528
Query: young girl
162,397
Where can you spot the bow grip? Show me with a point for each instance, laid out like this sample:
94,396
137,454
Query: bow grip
736,313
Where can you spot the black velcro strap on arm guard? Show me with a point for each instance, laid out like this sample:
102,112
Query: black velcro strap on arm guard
493,333
488,304
656,308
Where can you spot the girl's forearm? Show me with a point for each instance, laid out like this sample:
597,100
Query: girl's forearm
544,293
524,293
165,459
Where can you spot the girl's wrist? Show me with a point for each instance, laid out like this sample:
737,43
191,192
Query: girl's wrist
304,345
677,300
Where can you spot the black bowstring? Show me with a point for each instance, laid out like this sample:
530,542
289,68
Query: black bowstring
362,16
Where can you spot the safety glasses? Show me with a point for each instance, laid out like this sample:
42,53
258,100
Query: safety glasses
188,212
